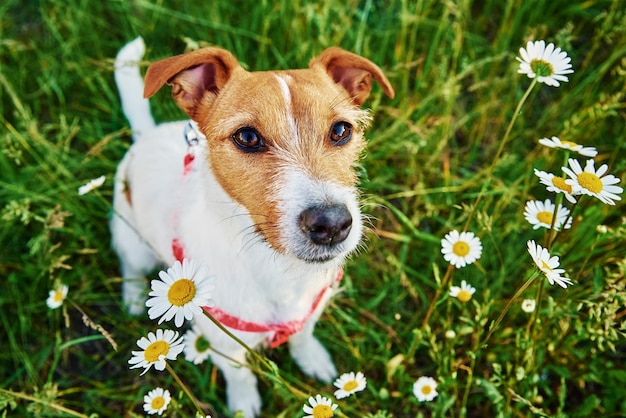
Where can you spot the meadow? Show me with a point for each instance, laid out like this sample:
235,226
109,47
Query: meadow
456,149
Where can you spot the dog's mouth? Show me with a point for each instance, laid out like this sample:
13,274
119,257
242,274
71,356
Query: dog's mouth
322,255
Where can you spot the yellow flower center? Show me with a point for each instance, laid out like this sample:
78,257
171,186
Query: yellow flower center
157,403
461,248
181,292
351,385
545,266
464,295
323,411
560,183
545,217
58,296
541,68
590,182
155,350
569,144
426,389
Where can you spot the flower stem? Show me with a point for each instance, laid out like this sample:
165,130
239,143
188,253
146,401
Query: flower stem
267,364
503,142
571,214
46,403
552,232
185,389
431,308
493,327
468,384
535,317
237,340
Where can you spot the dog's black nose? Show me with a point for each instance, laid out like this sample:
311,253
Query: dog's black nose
326,225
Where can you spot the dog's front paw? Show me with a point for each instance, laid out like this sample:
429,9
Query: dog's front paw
313,358
244,399
134,296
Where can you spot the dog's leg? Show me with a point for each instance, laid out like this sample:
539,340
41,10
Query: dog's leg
136,260
230,357
310,354
241,384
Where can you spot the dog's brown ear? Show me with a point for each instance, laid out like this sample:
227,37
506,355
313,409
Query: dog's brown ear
192,76
353,72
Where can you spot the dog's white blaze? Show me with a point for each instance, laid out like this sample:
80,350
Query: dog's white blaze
286,91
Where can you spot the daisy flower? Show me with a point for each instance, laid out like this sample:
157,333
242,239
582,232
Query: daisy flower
463,293
425,389
461,249
320,407
545,62
349,383
181,292
592,182
540,214
91,185
156,401
196,345
165,344
558,185
548,264
57,296
555,142
528,305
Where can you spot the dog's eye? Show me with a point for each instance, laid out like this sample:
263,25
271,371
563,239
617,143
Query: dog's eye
248,140
340,133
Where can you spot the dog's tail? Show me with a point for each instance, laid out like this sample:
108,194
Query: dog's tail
130,85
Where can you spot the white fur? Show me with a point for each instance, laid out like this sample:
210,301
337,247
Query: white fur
136,108
253,281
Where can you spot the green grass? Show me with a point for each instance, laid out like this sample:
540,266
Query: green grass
430,151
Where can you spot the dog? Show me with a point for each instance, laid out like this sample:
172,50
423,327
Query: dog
259,186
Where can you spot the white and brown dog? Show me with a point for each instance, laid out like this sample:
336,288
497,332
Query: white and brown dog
259,186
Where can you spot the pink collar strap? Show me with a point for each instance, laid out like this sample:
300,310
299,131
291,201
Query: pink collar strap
281,331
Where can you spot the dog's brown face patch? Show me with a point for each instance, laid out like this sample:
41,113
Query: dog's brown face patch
271,123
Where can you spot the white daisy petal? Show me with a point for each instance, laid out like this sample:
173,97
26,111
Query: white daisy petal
181,292
461,249
56,297
165,344
319,406
91,185
548,264
197,347
528,305
425,389
463,293
156,401
555,142
540,214
349,383
558,185
547,64
593,183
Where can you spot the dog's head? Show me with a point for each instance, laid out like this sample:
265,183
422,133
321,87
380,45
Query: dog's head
283,144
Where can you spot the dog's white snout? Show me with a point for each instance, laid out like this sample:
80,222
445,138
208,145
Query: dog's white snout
326,225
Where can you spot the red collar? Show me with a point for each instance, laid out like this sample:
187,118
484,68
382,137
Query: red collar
281,331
